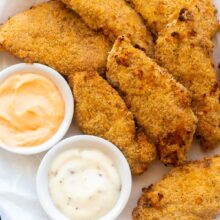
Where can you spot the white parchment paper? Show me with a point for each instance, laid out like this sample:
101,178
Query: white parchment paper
18,200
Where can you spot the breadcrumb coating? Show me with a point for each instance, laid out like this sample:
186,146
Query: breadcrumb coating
184,48
100,111
159,104
159,13
54,35
188,192
114,18
188,56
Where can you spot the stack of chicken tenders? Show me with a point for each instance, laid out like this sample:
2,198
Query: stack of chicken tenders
143,77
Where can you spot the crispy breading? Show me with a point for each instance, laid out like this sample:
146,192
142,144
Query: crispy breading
188,192
187,56
114,18
100,111
159,104
184,48
56,36
158,13
1,48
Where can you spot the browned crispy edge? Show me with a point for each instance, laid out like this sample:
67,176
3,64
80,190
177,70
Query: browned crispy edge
1,46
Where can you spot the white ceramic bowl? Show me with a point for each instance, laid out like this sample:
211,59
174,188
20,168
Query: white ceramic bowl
82,141
65,90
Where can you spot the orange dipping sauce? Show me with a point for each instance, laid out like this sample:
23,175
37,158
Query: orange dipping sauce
31,110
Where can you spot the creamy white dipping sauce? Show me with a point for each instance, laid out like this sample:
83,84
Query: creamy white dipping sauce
84,183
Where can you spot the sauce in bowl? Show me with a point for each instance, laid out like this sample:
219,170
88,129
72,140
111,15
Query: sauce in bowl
84,183
31,110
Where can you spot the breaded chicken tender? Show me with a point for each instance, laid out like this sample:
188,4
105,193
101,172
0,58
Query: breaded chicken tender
159,13
159,104
188,192
54,35
184,48
114,18
187,55
100,111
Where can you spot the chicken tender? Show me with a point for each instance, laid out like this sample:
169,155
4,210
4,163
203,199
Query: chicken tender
187,56
159,104
114,18
100,111
159,13
54,35
188,192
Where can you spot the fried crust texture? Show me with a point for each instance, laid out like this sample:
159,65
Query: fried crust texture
159,13
188,56
188,192
100,111
114,18
159,104
56,36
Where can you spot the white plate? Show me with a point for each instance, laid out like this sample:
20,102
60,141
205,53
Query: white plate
17,173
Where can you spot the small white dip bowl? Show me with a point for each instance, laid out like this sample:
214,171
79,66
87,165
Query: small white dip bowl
76,142
66,93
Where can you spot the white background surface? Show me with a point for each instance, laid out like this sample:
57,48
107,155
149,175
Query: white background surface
17,173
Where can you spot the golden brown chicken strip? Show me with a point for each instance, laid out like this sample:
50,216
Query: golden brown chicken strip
188,192
54,35
188,57
114,18
158,13
100,111
159,104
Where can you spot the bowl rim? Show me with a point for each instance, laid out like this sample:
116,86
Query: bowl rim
68,99
42,176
